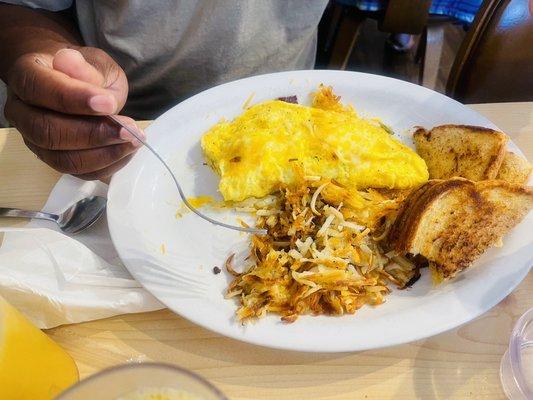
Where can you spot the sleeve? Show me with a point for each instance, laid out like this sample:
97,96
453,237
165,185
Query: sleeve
50,5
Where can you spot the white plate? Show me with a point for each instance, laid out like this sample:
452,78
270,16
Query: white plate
143,202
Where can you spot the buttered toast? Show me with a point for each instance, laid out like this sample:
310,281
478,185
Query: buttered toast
470,152
452,222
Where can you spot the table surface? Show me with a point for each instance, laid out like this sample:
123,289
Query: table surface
459,364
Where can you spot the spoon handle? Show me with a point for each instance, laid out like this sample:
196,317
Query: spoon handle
16,213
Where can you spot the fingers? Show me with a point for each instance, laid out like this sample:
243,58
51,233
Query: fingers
83,162
55,131
34,80
106,172
57,103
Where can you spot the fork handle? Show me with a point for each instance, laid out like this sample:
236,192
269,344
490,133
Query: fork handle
16,213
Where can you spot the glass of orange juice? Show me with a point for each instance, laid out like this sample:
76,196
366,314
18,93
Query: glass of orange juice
144,381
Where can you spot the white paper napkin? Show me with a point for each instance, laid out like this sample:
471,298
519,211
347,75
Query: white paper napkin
55,279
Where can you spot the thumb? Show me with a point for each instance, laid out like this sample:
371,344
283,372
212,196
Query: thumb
72,63
96,68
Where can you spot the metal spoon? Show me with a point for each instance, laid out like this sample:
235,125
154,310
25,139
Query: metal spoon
180,190
74,219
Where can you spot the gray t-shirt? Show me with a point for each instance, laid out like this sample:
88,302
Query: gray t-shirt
173,49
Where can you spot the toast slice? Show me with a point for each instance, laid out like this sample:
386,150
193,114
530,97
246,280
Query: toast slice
470,152
514,169
452,222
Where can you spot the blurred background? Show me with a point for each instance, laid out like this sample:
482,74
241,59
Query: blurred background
476,51
472,50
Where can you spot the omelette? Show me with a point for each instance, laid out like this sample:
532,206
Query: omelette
271,142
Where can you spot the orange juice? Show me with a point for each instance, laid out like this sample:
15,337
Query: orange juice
32,366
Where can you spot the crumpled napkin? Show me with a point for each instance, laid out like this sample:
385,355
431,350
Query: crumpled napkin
55,279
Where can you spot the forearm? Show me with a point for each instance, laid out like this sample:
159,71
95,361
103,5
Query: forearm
23,30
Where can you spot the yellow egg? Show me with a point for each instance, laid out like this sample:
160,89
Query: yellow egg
200,201
256,152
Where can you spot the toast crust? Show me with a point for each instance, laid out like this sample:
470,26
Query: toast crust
514,169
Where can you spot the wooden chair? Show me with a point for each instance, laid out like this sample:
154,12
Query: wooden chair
339,29
495,60
340,24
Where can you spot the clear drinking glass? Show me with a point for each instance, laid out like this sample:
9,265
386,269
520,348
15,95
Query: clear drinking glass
115,382
516,369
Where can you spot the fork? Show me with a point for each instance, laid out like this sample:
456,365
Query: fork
180,190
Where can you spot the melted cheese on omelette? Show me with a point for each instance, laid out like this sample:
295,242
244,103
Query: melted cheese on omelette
258,151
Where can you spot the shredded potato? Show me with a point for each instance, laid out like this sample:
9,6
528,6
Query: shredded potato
322,253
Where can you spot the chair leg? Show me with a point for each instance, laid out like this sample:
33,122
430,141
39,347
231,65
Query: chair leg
433,54
420,55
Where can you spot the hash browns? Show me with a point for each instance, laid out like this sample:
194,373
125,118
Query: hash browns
317,258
